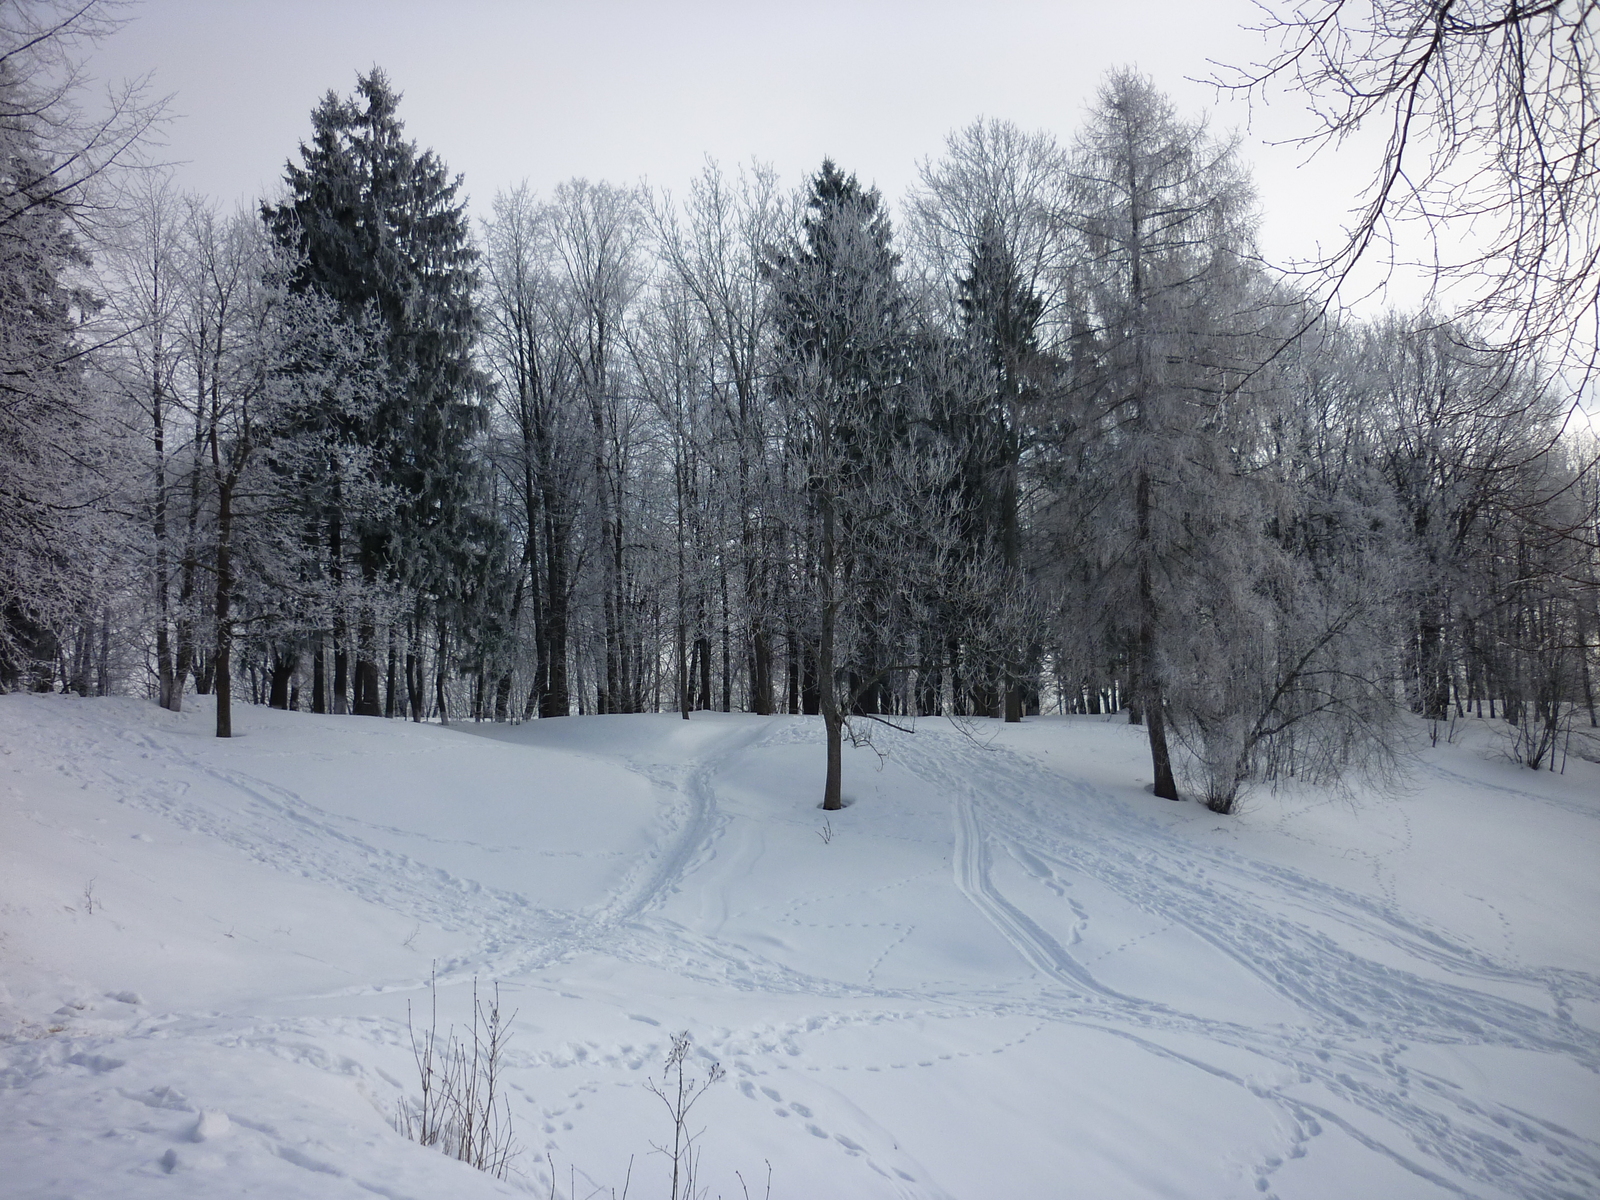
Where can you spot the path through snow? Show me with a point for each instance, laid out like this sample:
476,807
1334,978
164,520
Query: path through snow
1005,970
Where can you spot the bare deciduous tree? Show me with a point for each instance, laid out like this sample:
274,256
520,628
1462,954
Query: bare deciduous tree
59,160
1488,110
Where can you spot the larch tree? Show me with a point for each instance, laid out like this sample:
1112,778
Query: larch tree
1163,296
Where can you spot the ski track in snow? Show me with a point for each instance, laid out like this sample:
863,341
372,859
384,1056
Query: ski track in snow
1342,1060
513,933
1232,903
1223,897
697,826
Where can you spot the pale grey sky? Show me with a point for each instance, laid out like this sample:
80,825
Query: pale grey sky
627,89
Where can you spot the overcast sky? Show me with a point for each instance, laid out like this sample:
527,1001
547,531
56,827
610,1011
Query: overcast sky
627,89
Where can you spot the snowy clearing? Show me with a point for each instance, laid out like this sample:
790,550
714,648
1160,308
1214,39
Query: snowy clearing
1005,970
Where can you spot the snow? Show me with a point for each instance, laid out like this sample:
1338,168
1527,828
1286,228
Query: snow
1005,970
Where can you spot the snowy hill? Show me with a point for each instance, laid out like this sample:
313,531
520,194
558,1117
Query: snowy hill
1005,970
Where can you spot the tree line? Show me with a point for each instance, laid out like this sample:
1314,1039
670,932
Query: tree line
1057,439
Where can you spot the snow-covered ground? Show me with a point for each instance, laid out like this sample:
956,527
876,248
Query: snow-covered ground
1006,970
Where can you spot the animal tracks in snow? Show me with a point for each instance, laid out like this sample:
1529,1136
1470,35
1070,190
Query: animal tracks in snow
989,947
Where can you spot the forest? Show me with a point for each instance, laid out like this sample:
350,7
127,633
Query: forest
1046,435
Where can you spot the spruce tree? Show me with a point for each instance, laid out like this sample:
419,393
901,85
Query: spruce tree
1001,314
381,231
842,376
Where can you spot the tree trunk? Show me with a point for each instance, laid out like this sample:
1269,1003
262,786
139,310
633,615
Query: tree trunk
204,674
319,678
283,667
341,660
958,687
164,665
791,652
341,665
1011,550
832,720
390,695
727,665
556,699
189,584
413,682
368,701
103,670
221,661
760,670
1149,680
1014,702
439,674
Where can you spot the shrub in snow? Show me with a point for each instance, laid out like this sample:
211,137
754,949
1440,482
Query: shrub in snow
462,1110
678,1091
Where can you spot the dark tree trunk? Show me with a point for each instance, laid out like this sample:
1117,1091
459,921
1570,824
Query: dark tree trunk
368,703
368,700
761,701
413,682
204,674
791,652
103,670
930,679
1011,549
340,700
283,668
341,666
165,669
1433,658
702,649
390,694
810,683
1150,685
319,678
832,718
556,699
222,659
439,662
727,664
